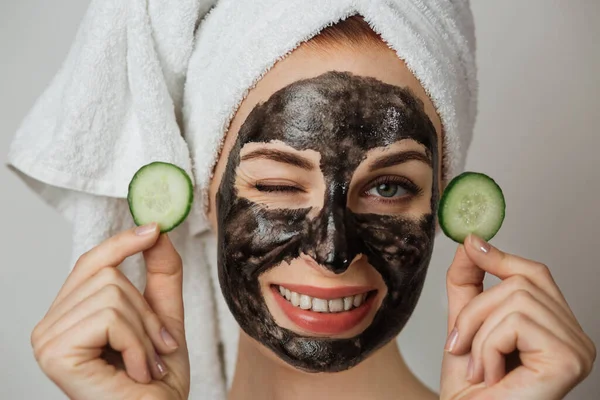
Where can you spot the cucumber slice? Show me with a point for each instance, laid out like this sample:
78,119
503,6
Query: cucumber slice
472,203
162,193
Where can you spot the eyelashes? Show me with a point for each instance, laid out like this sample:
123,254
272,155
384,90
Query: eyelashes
389,189
277,188
392,188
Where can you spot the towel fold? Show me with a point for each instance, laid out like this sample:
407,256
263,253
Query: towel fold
149,80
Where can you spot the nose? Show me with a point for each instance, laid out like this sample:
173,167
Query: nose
332,246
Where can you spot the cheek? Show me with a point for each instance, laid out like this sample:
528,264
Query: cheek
255,237
441,170
396,237
423,202
212,212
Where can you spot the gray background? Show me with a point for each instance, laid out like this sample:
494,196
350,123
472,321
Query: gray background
536,135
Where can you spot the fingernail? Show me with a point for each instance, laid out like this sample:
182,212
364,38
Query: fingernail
470,368
480,245
452,339
160,365
167,338
145,229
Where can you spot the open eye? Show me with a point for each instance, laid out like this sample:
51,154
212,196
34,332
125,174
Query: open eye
391,187
387,190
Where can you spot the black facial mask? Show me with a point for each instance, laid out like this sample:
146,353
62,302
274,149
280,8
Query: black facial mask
342,117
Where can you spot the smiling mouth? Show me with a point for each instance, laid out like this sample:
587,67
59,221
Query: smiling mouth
315,304
324,311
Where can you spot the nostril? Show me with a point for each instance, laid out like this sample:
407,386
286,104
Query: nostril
337,263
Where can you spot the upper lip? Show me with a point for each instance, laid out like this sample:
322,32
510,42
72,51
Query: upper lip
327,293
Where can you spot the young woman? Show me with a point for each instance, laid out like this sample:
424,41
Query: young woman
323,199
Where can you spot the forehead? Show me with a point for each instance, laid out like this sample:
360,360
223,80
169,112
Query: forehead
339,110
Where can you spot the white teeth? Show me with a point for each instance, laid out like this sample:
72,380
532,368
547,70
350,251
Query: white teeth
348,302
320,305
357,300
295,299
336,305
306,302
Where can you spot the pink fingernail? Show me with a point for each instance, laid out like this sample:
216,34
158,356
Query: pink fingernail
160,366
452,339
145,229
480,245
470,368
167,338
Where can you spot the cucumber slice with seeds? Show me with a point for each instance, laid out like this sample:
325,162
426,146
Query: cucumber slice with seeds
162,193
472,203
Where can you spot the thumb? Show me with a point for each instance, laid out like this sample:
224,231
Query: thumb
164,280
464,281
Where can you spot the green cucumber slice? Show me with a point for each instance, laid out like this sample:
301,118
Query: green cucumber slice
160,192
472,203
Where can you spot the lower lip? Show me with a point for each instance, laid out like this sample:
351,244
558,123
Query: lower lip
324,323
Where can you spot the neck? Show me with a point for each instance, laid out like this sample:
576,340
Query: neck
383,375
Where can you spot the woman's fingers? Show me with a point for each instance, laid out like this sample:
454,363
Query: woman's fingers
525,315
164,282
109,253
101,335
121,287
515,292
464,281
72,359
550,366
111,298
504,265
522,303
478,319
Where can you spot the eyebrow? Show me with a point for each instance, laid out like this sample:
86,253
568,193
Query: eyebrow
399,158
280,156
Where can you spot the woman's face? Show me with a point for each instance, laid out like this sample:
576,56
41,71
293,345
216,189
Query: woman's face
324,199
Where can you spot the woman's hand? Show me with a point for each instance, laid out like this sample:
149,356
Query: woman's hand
98,314
527,313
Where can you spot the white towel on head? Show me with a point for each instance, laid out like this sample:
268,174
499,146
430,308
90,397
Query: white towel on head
238,43
118,103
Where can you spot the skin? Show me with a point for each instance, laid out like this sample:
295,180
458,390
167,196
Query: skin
256,237
98,307
278,380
